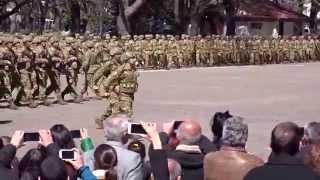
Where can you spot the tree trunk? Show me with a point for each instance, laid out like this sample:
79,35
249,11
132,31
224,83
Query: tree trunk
125,14
75,16
195,25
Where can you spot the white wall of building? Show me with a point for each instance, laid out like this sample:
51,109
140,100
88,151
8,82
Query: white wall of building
265,29
257,28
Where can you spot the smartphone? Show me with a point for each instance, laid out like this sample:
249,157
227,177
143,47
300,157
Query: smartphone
33,136
135,128
67,154
75,134
176,124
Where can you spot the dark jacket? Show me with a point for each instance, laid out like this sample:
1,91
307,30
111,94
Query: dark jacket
7,154
282,167
191,163
159,164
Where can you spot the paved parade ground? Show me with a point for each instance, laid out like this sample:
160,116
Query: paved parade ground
263,95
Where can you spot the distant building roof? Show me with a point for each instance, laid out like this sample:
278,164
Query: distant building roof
265,10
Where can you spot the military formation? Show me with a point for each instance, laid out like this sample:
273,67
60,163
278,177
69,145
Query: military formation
32,68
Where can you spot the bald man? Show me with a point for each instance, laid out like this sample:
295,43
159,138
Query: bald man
188,152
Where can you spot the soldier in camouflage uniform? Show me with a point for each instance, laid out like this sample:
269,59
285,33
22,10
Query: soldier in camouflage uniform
41,67
73,66
57,67
112,106
6,72
123,83
173,52
160,52
28,76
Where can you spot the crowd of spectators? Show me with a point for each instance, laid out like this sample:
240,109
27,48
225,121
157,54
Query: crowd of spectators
174,153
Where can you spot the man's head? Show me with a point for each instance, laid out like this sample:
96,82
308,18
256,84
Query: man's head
116,127
235,132
174,169
52,168
312,133
189,132
285,138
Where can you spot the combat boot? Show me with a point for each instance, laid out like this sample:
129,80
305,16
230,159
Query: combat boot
78,99
33,104
12,106
46,103
61,101
99,123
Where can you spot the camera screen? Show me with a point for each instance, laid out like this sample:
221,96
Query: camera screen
137,129
67,154
31,137
75,134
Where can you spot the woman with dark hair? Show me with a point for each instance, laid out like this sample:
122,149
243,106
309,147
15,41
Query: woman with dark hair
62,137
217,126
29,165
106,159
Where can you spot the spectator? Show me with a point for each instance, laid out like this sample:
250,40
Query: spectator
283,163
129,163
53,168
62,137
29,165
157,155
138,147
106,159
170,140
7,154
5,140
310,152
175,170
232,162
1,143
217,125
188,153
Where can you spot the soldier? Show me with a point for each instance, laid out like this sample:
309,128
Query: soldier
148,51
73,66
41,67
160,52
173,52
89,67
123,83
112,106
6,71
57,67
28,76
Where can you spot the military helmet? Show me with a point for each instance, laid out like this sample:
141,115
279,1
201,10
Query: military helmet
69,40
115,51
54,39
90,44
27,39
36,40
127,55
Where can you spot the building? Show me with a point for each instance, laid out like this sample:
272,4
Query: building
265,18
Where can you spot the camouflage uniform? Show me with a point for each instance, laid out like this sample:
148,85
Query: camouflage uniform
73,66
6,70
112,106
57,67
41,68
28,76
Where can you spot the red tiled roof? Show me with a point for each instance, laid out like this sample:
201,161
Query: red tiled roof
267,11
